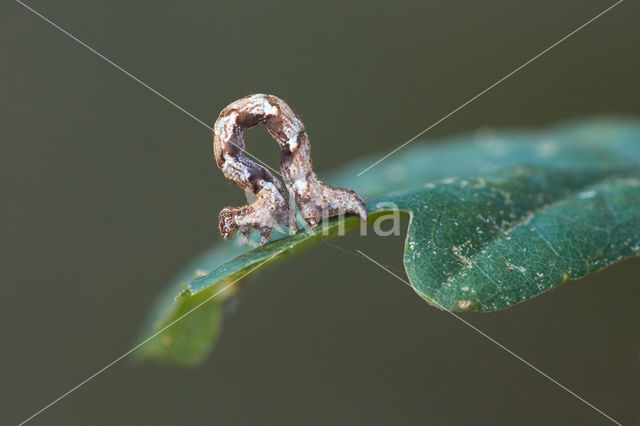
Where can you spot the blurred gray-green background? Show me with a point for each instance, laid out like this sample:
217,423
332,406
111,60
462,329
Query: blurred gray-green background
107,190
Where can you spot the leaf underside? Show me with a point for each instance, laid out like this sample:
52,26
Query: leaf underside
496,219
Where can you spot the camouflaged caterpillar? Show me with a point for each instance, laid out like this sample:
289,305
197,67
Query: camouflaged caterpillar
314,199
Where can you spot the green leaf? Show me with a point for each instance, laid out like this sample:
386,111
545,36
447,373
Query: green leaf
495,219
489,243
181,337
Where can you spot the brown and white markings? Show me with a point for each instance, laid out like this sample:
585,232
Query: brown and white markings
314,199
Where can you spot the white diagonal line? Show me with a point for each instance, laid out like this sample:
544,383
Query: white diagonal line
100,55
491,87
482,333
114,64
124,355
91,377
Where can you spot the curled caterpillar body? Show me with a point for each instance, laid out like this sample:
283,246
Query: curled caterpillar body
314,199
